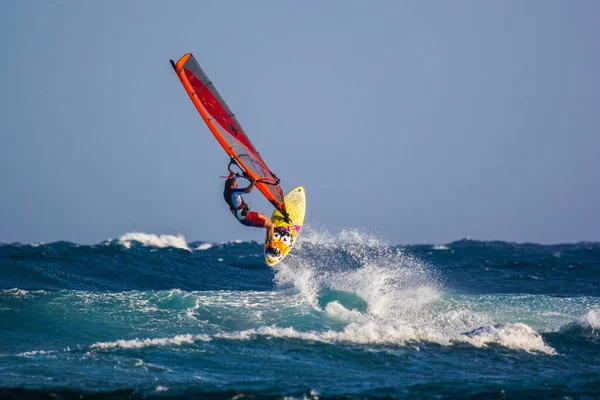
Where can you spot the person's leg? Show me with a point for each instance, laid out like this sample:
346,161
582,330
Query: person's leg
270,230
261,221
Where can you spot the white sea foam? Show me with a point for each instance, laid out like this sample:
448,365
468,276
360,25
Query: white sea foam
591,319
204,246
404,300
335,310
515,336
16,292
359,333
159,342
35,353
302,279
147,239
440,247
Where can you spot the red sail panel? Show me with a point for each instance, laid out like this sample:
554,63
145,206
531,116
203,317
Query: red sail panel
226,128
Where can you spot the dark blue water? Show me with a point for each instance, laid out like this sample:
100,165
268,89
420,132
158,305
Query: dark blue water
344,315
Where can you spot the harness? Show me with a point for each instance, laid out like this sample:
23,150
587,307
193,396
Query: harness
242,211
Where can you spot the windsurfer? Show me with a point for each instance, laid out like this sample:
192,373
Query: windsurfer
241,210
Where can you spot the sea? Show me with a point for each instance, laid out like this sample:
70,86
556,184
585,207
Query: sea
346,315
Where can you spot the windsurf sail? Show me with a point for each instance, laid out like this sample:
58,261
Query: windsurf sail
227,129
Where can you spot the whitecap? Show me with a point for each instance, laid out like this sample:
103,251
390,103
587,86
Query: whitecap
158,342
337,311
591,319
204,246
16,292
35,353
515,336
160,241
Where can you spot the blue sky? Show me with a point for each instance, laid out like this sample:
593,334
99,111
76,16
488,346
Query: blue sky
418,121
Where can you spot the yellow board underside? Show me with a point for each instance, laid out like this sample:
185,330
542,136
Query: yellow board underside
286,234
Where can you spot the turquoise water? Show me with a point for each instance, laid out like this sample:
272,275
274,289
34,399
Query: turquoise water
343,315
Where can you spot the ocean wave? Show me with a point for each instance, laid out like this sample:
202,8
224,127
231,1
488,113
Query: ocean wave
515,336
158,342
159,241
337,311
404,297
324,237
359,263
126,344
204,246
589,320
353,333
336,287
36,353
16,292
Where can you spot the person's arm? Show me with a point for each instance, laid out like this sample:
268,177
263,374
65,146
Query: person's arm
250,186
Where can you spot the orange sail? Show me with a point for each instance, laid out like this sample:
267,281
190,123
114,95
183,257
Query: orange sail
227,129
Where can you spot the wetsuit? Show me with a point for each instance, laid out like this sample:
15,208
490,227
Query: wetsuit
241,210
